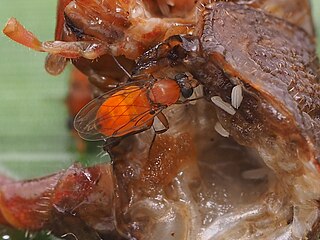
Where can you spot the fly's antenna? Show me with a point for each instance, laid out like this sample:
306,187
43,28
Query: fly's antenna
122,68
135,76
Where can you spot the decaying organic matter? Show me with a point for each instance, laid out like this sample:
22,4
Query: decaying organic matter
275,64
241,163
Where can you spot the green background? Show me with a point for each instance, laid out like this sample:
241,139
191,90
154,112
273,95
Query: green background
34,140
33,137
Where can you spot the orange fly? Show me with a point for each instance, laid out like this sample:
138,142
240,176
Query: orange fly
127,109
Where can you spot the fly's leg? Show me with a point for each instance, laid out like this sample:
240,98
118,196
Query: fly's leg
87,49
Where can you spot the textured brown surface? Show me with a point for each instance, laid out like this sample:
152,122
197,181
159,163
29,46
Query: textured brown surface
192,176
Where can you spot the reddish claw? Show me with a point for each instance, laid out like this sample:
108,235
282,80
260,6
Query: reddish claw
18,33
88,49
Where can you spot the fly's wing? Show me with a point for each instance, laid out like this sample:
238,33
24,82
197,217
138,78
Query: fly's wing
90,127
84,121
137,123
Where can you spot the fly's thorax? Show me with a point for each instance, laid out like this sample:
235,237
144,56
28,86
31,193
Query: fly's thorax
165,92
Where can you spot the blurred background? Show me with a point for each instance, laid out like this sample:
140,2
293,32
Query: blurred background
34,138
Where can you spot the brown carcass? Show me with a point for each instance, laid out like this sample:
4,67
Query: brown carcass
240,163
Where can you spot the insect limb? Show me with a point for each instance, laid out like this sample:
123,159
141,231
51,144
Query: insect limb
86,49
185,101
18,33
160,124
122,68
151,144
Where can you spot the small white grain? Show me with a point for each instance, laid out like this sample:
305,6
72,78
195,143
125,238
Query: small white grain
236,96
223,105
218,127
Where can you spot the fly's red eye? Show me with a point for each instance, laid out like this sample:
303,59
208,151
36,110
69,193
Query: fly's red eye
165,92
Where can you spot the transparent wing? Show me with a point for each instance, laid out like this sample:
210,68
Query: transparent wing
118,113
137,123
